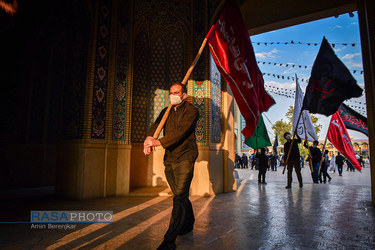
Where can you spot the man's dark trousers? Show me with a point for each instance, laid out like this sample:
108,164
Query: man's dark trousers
262,174
339,168
179,176
297,167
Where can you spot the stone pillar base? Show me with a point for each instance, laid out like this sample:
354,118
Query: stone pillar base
88,170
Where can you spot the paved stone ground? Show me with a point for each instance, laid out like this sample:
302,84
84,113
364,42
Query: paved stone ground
338,215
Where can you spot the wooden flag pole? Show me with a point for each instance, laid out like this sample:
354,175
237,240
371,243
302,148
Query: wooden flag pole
166,114
291,145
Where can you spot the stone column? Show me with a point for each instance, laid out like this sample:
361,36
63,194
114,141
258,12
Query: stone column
366,14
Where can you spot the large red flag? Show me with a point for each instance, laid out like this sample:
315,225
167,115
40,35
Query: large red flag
231,48
338,135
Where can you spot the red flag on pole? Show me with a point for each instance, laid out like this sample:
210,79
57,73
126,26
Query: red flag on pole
338,135
231,48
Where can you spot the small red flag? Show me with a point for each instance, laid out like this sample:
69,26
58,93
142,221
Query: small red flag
338,135
231,48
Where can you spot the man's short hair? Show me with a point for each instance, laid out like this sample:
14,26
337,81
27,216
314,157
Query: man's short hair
286,133
183,87
316,142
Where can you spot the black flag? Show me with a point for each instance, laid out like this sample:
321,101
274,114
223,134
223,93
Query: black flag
276,144
330,83
353,120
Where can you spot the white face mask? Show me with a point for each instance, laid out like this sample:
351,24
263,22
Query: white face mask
175,99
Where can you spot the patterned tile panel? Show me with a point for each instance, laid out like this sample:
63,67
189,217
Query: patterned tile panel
121,78
216,123
101,70
199,102
140,88
159,60
158,92
176,59
180,8
243,124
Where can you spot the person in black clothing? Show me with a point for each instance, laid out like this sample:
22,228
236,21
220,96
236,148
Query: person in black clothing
181,151
254,162
244,161
294,159
237,161
273,161
350,165
340,162
316,157
262,165
324,167
361,162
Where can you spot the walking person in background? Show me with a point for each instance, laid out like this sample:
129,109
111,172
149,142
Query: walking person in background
262,165
273,160
302,161
340,162
361,162
323,170
236,158
316,157
350,166
255,162
244,160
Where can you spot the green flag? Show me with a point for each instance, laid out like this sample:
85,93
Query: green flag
260,138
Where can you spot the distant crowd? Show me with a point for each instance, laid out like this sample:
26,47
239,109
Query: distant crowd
264,161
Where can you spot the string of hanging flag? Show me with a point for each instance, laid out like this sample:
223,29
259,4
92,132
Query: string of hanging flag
292,65
303,43
290,93
285,77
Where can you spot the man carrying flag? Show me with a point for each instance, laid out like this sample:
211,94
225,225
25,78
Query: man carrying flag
339,137
291,151
330,83
231,48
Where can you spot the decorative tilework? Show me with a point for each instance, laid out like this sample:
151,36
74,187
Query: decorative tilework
243,145
177,58
216,125
101,70
122,60
159,60
158,89
140,86
199,90
180,8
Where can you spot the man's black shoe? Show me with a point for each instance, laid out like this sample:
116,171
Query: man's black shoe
288,187
167,245
300,185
